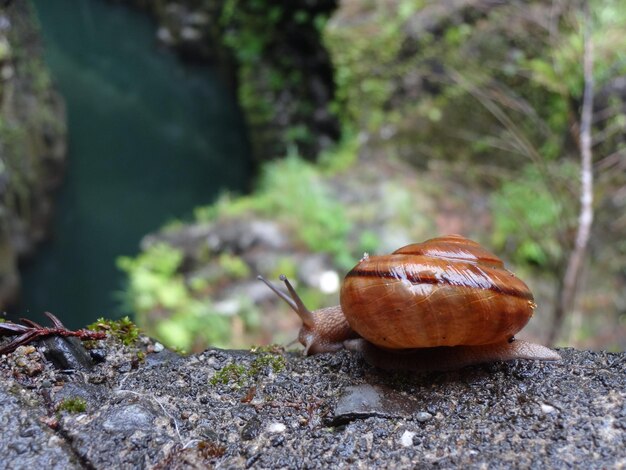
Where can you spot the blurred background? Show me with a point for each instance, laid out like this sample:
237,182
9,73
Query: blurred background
156,155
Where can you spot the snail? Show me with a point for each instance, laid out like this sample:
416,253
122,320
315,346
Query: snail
442,304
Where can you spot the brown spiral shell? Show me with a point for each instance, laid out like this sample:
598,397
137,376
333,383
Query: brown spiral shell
447,291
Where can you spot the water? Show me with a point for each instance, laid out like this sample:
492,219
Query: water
149,139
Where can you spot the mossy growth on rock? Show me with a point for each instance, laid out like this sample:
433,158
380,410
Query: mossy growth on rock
72,405
285,75
124,329
240,374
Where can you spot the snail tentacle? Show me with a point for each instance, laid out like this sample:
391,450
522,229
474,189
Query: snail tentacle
295,302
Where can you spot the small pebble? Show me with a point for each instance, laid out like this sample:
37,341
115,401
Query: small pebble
407,439
276,427
277,440
158,347
547,409
423,416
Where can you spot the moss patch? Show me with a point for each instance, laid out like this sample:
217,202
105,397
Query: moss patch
239,374
123,329
72,405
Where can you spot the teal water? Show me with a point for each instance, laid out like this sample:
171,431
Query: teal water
149,139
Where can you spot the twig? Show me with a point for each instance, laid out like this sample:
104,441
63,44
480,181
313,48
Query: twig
585,217
32,331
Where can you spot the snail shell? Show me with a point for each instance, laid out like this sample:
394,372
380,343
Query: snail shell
441,304
447,291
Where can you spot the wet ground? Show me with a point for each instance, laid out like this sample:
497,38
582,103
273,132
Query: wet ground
238,409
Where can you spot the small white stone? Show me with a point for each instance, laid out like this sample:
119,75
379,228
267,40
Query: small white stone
407,439
158,347
329,282
276,427
547,409
423,416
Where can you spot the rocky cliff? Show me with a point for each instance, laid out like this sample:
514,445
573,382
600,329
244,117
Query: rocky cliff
32,144
272,54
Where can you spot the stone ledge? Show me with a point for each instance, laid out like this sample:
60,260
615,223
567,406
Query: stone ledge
327,411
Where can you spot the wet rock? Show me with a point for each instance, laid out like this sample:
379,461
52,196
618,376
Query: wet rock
98,355
67,353
27,360
160,357
128,419
407,439
24,440
251,429
365,401
330,411
93,395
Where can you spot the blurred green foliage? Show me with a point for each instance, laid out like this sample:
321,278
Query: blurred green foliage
233,266
527,215
365,59
495,93
24,129
296,193
156,284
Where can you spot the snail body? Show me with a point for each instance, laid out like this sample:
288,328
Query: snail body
441,304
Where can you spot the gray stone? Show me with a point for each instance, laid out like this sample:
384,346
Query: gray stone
363,401
128,419
25,442
330,411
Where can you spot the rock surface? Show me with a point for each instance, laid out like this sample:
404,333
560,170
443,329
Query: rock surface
240,409
32,144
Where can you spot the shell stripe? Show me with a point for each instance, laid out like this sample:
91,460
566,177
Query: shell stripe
463,281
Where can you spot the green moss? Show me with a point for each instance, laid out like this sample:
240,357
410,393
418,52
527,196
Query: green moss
72,405
231,372
269,348
239,374
275,362
124,330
